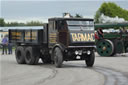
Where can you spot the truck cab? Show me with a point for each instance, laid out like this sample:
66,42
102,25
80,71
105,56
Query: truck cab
71,39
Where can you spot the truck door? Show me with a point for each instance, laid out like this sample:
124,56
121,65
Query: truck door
52,34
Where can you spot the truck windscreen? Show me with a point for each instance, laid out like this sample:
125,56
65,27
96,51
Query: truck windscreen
86,25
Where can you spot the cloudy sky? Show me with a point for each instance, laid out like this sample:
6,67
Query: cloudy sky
25,10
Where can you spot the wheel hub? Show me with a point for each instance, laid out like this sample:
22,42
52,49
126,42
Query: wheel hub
104,48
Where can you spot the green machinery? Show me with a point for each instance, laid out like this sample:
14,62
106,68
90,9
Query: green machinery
114,40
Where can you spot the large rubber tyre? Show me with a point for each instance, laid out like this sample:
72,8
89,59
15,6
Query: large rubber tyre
30,59
58,57
20,55
105,48
90,59
46,59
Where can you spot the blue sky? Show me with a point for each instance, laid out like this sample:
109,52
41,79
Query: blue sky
21,10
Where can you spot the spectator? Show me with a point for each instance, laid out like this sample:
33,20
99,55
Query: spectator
9,48
123,30
4,45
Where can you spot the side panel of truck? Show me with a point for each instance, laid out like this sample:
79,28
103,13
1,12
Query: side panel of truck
33,36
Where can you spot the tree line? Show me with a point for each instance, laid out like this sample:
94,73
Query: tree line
30,23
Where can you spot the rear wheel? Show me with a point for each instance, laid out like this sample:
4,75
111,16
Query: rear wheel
20,55
90,59
58,57
29,57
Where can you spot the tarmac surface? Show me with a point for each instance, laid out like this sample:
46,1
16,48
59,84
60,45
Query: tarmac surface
106,71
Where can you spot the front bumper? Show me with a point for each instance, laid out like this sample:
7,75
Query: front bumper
78,52
93,46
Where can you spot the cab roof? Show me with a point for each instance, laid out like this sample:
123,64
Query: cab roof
83,19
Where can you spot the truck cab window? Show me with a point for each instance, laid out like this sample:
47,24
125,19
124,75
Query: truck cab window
61,25
86,25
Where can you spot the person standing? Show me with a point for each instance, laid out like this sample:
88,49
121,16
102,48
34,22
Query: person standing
4,44
9,48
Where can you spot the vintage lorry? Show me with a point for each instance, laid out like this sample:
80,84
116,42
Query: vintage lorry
115,39
62,39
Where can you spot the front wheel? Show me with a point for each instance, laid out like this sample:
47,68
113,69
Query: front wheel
90,59
58,57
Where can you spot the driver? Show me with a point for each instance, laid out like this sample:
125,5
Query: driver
100,33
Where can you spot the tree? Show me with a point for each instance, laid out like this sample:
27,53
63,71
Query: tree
112,10
30,23
2,23
34,23
78,16
97,16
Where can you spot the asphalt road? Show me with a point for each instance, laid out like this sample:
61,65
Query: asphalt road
106,71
